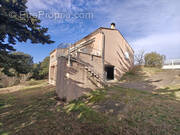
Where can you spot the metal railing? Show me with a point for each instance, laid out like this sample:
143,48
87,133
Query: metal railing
76,47
91,51
172,64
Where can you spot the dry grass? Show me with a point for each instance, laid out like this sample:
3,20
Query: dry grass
107,111
25,86
153,70
172,91
139,73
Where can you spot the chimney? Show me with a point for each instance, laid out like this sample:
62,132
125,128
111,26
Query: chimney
113,26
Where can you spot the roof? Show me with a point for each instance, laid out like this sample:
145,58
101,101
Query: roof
57,49
95,32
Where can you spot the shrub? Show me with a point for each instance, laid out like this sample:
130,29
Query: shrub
41,70
134,70
154,59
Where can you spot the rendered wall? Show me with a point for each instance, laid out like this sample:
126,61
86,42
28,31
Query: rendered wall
94,62
72,82
93,57
53,68
115,48
53,64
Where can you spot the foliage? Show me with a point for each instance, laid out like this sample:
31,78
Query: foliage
133,74
17,63
17,25
82,109
85,113
135,70
35,72
23,63
16,71
41,70
44,68
154,59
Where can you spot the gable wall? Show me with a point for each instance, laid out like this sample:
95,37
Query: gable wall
115,48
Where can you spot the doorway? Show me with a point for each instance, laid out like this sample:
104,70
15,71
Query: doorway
109,71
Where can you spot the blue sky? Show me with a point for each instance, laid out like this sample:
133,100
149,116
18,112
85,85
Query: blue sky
150,25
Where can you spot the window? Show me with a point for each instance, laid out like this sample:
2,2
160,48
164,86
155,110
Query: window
126,55
91,57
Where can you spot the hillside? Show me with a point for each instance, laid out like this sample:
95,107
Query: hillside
34,109
153,80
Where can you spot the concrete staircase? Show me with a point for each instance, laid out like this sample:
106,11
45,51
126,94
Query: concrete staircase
95,78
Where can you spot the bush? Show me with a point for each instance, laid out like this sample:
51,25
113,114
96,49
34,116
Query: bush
7,81
41,70
134,70
154,59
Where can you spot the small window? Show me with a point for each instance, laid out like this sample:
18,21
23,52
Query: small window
71,63
91,57
126,55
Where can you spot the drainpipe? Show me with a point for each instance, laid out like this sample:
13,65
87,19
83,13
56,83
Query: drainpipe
103,54
69,56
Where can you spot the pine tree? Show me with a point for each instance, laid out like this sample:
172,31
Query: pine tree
18,25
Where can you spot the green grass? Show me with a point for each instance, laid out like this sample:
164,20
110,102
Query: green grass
139,73
113,110
148,113
152,70
84,113
34,82
172,91
144,113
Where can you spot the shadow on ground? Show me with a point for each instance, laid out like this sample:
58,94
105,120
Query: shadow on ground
153,80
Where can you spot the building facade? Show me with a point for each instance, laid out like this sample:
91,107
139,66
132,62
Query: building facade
171,64
101,57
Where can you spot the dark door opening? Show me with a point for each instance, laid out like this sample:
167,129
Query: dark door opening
109,70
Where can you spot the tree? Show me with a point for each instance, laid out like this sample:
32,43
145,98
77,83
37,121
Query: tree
44,65
18,25
36,70
139,57
154,59
23,62
20,62
41,70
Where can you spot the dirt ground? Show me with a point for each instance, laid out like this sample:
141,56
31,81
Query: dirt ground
23,86
152,81
34,109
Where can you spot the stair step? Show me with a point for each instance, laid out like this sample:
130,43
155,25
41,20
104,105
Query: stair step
94,77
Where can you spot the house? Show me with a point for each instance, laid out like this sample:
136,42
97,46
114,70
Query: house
171,64
101,57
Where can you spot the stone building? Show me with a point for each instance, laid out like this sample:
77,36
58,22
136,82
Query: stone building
99,58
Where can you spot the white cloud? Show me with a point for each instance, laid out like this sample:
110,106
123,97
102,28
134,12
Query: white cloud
141,16
34,5
153,25
167,44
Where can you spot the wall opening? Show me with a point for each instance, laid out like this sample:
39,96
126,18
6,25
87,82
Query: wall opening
109,71
52,72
